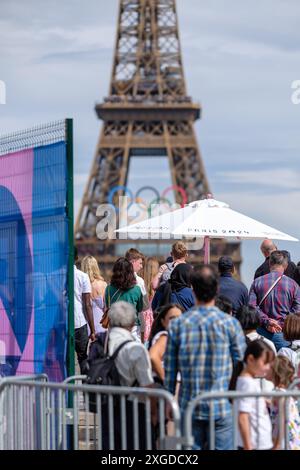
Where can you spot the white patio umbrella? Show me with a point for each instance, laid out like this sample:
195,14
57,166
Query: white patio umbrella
206,218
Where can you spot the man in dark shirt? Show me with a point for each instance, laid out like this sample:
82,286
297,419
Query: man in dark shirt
267,247
297,274
292,270
234,290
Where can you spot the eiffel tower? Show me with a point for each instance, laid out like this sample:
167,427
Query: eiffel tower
146,113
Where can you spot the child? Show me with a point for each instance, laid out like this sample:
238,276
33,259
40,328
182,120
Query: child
255,429
250,320
282,376
291,332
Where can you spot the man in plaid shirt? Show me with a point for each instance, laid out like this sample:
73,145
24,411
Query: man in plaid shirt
202,345
283,299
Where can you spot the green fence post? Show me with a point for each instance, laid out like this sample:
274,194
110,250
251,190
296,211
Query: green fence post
70,216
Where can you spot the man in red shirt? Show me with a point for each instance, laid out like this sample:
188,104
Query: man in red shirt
275,296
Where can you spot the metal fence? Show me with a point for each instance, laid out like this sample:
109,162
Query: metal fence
8,397
59,416
283,397
36,414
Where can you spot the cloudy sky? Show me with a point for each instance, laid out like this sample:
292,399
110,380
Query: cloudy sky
240,61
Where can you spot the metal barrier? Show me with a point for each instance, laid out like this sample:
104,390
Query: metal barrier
37,415
75,378
294,384
233,396
5,403
41,377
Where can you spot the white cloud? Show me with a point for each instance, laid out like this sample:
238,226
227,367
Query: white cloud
33,45
150,176
217,46
279,179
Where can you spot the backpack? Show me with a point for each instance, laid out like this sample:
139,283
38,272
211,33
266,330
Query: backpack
167,273
102,369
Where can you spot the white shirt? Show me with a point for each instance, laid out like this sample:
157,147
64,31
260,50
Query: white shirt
154,341
82,285
132,362
290,354
293,354
254,335
259,418
141,283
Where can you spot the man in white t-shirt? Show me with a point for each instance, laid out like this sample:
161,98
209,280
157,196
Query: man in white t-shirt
83,314
136,258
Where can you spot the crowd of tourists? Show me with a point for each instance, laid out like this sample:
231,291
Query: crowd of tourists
194,329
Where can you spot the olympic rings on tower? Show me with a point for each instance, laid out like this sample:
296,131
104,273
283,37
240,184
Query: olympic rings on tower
180,190
114,190
143,204
146,188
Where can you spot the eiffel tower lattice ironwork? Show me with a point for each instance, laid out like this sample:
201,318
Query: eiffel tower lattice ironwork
147,112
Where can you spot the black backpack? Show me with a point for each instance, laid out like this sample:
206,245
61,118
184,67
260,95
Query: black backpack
102,370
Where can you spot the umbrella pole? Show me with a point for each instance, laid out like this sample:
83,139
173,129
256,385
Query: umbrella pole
206,250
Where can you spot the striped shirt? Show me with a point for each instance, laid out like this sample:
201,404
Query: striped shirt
202,344
282,300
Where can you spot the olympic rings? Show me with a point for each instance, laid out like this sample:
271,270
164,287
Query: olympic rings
180,190
143,204
157,201
115,190
146,188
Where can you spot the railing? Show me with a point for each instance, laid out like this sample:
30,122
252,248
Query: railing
210,398
37,415
6,406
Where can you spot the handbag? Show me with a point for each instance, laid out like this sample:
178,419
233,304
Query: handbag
104,322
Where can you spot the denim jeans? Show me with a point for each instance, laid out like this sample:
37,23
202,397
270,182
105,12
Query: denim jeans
277,338
223,434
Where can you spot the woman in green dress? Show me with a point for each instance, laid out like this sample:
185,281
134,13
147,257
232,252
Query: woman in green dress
123,286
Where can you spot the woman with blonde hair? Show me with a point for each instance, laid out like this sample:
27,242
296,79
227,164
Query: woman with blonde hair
90,266
150,272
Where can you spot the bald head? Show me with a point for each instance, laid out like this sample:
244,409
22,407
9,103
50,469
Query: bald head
267,247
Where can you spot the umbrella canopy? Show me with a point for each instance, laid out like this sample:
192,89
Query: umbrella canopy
161,226
215,219
206,218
